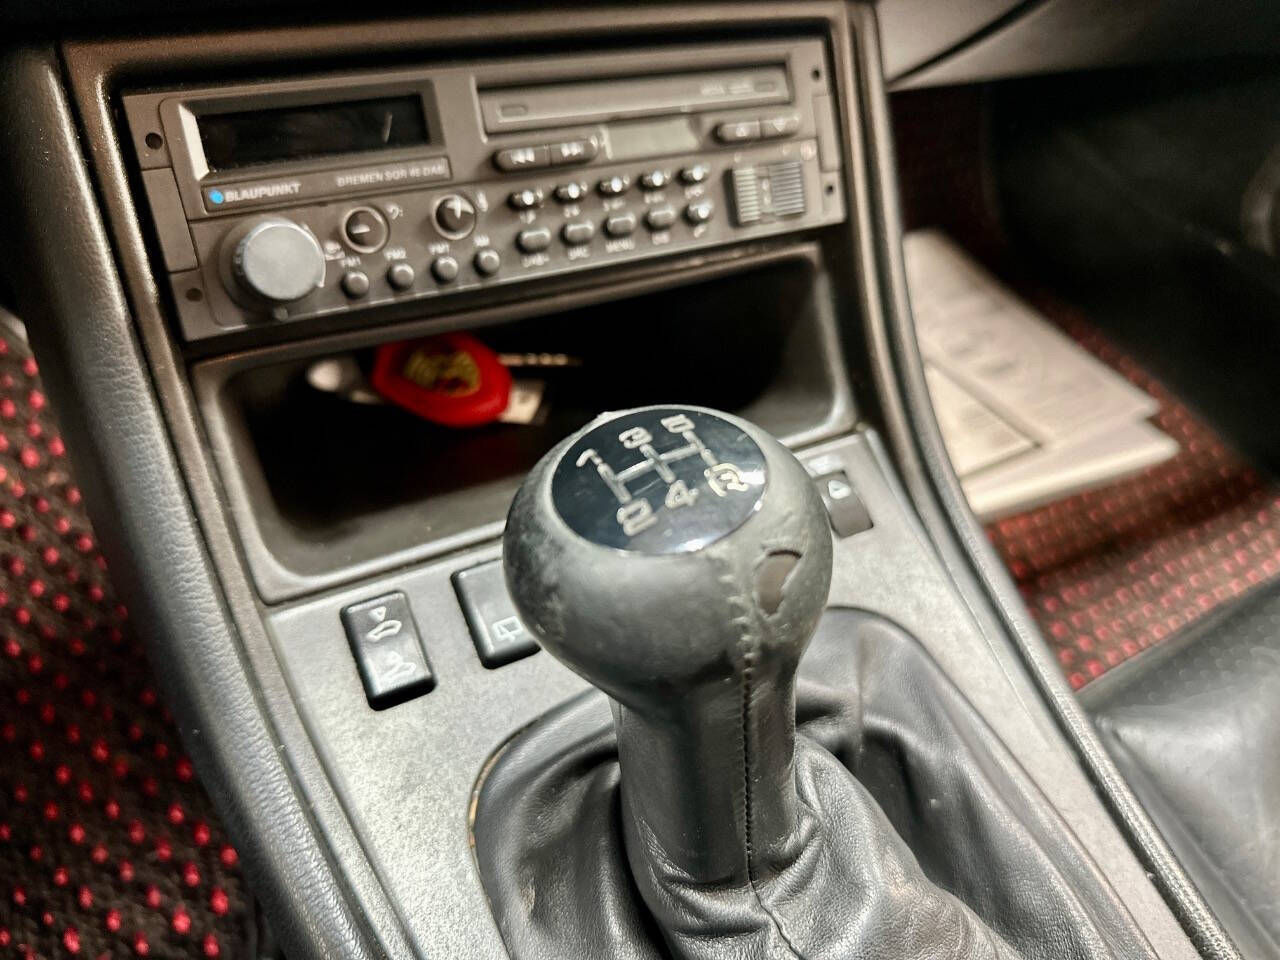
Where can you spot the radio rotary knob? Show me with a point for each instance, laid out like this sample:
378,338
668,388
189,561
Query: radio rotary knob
274,260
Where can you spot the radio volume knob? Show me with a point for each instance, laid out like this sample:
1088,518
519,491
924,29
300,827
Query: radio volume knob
275,260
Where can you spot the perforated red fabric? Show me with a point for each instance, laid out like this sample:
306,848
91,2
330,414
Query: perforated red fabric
108,845
1115,571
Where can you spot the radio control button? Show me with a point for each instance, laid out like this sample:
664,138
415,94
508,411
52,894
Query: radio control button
355,284
660,218
615,185
522,158
571,192
534,240
529,198
365,229
455,216
699,212
444,268
573,151
576,234
487,261
695,173
620,225
275,260
783,125
654,179
738,131
400,275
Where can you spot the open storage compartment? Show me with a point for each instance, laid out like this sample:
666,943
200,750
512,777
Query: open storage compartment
326,489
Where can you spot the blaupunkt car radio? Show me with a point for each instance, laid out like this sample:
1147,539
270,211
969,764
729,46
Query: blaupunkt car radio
288,200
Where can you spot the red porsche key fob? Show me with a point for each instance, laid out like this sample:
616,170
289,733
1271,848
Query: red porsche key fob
451,379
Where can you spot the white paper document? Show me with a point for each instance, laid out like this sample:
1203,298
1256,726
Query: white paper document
1027,415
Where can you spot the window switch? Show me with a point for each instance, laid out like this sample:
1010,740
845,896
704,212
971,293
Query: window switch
499,635
388,650
845,508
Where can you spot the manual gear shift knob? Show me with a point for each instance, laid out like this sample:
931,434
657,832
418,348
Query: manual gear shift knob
679,560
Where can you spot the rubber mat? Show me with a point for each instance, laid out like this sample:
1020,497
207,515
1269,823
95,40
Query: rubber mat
1112,572
108,845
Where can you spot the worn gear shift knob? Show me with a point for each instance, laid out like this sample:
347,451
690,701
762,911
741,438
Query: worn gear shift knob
679,559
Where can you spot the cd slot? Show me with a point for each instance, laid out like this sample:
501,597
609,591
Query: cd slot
511,109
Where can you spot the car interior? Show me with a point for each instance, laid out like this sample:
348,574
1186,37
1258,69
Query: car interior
710,481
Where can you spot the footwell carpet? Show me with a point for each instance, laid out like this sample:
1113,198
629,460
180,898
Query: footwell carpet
1115,571
108,845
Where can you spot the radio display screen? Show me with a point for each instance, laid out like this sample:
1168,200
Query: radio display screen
310,131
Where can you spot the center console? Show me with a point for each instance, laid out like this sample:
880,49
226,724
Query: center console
691,207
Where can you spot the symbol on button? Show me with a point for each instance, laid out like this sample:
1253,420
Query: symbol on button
505,631
365,229
838,489
384,627
455,216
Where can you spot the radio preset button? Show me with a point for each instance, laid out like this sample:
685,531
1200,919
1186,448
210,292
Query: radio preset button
620,225
522,158
660,218
487,261
455,216
400,275
783,125
355,284
444,268
654,179
571,192
615,185
576,234
695,173
573,151
534,240
365,229
529,198
699,212
738,131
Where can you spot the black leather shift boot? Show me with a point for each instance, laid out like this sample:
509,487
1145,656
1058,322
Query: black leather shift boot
937,843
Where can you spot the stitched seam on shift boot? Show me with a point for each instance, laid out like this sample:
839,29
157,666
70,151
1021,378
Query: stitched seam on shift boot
750,649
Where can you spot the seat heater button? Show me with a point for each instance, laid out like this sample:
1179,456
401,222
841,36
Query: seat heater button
400,275
620,225
576,234
845,508
738,131
388,649
660,218
496,629
534,240
355,284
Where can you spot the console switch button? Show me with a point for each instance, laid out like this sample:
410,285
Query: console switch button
499,635
845,508
573,151
533,240
783,125
522,158
388,650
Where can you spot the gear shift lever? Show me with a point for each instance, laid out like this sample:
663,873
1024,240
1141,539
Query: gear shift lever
679,560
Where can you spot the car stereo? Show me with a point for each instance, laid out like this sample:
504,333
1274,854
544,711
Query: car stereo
289,200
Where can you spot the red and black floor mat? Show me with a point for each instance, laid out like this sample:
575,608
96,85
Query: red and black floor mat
108,845
1117,570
